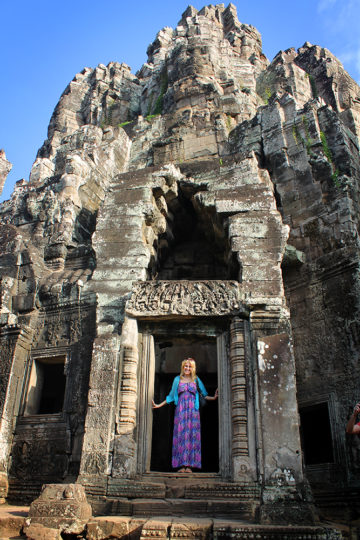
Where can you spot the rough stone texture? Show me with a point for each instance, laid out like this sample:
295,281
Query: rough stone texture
212,198
60,508
37,531
200,529
12,520
5,168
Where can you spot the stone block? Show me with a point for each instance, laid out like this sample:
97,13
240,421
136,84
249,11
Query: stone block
156,528
3,486
61,507
12,520
37,531
23,302
55,251
260,201
191,528
103,528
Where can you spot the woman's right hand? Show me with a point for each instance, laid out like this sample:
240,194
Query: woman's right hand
156,405
357,409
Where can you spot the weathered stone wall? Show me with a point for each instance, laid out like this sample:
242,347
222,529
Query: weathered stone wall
309,143
210,165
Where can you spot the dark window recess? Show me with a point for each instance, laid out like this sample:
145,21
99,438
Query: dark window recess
52,395
316,436
46,388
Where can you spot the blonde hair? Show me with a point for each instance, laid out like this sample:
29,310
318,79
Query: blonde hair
193,368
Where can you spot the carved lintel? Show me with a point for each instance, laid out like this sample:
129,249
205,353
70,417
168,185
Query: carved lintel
184,298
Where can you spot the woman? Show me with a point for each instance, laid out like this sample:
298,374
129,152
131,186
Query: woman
352,427
186,451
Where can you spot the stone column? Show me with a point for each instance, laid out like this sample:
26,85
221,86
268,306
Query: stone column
100,418
15,342
124,463
240,442
284,494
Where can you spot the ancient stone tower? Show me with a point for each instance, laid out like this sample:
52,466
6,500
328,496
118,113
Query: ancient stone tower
206,206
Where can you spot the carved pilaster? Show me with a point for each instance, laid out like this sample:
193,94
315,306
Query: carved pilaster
128,390
100,417
124,459
240,443
15,346
146,394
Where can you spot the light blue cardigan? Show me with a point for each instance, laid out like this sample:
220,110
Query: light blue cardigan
174,396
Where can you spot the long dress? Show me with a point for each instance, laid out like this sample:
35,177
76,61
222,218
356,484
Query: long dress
186,449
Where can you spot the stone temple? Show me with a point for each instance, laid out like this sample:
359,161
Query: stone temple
207,206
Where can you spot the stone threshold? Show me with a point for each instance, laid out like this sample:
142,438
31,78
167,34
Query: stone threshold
187,528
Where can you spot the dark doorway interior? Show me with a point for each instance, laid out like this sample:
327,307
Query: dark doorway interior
52,395
316,434
168,357
46,388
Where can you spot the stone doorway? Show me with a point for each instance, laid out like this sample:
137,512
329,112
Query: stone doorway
169,354
163,346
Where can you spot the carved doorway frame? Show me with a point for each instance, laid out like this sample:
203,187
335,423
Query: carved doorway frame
180,301
146,394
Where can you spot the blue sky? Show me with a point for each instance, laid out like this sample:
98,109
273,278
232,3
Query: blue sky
45,43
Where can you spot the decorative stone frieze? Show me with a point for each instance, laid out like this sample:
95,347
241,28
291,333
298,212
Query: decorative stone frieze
185,298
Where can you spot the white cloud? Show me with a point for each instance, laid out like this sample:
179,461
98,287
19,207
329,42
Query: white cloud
325,4
340,14
341,19
351,61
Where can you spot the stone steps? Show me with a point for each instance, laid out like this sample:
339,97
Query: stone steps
12,520
339,504
234,509
186,527
207,497
23,492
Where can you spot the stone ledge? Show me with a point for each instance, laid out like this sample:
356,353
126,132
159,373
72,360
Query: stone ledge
187,528
12,520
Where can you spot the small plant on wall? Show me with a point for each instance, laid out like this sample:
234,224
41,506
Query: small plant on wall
329,157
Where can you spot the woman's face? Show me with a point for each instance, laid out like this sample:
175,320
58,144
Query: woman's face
187,368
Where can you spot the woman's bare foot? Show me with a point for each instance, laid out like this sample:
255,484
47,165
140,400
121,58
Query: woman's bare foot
182,469
188,469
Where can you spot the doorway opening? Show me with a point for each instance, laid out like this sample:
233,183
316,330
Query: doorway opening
316,435
169,353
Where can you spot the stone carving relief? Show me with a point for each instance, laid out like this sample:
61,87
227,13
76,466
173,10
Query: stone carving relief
6,352
206,298
95,463
33,459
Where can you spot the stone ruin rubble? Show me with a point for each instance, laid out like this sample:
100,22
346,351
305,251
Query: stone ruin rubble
206,206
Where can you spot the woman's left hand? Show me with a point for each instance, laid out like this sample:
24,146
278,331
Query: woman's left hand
212,398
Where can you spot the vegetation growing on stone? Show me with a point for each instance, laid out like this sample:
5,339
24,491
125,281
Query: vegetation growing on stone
329,157
123,124
159,103
306,142
313,85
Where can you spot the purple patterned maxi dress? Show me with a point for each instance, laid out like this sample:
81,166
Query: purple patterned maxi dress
187,434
